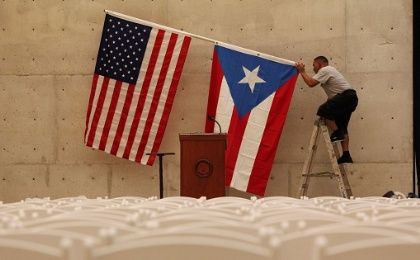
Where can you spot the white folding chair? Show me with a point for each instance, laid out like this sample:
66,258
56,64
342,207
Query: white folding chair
183,247
18,249
384,248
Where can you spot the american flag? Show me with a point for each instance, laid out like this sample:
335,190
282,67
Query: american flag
136,77
250,97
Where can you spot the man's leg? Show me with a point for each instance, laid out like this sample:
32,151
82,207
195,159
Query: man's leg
337,133
328,111
342,123
331,124
346,104
346,157
345,143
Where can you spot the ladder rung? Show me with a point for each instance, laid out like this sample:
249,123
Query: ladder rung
320,174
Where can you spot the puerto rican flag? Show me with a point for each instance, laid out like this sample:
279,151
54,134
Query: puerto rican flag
249,96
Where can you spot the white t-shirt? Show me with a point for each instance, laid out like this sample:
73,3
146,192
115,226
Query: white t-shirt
331,81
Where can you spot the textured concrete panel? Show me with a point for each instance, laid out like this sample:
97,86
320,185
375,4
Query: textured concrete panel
172,175
134,180
386,27
278,184
75,180
387,17
199,59
18,182
385,113
27,125
249,22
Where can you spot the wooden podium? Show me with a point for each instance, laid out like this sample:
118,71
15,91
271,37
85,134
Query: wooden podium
203,165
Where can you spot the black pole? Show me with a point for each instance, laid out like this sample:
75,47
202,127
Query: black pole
160,155
416,97
160,176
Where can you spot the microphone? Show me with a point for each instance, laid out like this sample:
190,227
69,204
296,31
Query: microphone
209,117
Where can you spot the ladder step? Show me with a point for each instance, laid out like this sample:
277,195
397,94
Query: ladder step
320,174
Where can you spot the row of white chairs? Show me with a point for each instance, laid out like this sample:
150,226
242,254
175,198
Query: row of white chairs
225,227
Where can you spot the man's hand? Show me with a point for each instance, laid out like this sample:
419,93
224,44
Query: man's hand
300,66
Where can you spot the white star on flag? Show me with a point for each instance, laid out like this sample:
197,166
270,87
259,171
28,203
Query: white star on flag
251,78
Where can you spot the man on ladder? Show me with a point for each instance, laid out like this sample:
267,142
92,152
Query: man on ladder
342,101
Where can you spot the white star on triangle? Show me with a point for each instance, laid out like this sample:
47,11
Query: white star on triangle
251,78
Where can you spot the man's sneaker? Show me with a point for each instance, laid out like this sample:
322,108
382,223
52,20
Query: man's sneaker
337,136
345,159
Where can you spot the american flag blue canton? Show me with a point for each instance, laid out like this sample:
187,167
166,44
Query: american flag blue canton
122,49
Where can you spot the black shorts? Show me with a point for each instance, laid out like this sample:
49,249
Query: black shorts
339,108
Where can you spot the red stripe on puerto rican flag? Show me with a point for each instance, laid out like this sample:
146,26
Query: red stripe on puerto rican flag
214,92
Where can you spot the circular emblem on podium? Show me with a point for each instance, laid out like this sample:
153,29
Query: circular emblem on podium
203,168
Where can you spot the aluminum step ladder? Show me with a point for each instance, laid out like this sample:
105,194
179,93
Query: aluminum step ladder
339,172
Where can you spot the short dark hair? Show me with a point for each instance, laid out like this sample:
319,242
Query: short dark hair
321,59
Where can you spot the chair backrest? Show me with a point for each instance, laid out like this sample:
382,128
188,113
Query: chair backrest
183,247
13,248
384,248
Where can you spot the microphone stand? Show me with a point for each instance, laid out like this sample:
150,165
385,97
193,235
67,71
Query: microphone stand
160,155
214,120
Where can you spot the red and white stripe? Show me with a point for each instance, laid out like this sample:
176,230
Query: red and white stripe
253,138
128,120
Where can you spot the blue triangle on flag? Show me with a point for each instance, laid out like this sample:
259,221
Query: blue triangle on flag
251,79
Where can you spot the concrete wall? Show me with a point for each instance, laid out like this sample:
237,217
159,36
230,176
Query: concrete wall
47,57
